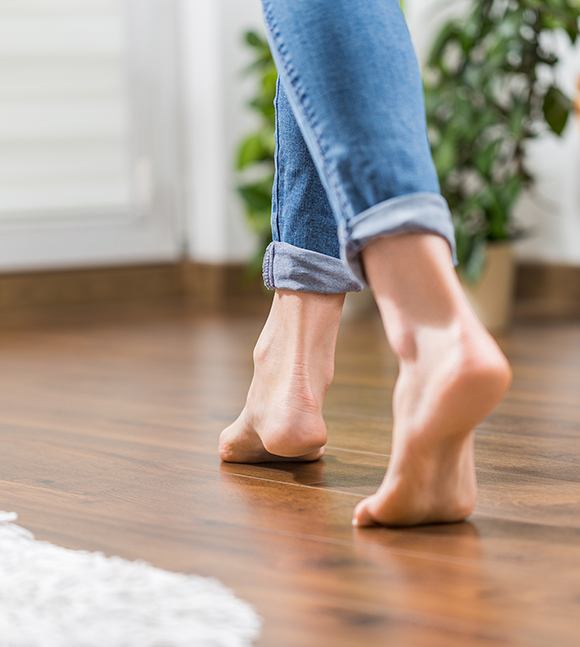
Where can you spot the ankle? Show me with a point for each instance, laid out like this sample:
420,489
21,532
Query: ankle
463,342
411,340
306,318
292,368
300,334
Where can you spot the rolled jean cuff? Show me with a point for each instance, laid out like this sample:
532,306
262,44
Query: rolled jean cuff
287,267
414,213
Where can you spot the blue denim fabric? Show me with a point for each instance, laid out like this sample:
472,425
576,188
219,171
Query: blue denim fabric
352,156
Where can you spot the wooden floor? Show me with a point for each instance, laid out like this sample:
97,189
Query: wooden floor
108,430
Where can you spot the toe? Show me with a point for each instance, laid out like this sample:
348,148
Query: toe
362,516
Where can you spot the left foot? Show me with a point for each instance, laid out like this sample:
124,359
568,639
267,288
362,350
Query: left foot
293,367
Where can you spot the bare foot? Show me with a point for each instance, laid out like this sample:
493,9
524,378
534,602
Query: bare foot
439,399
293,367
451,375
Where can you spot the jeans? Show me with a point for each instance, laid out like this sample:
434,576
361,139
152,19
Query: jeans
353,161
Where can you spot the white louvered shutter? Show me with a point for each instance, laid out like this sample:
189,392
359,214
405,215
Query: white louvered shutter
88,146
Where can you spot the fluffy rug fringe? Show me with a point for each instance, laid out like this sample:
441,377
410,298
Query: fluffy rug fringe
55,597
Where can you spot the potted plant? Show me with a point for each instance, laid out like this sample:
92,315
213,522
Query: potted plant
491,88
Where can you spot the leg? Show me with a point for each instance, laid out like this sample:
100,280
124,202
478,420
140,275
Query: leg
294,356
351,77
304,254
354,87
293,367
451,375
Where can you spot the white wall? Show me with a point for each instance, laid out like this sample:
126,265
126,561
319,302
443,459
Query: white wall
215,97
551,211
216,119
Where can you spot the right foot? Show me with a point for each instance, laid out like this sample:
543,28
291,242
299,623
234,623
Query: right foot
442,393
293,367
451,375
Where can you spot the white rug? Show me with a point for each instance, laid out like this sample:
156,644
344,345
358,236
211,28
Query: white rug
54,597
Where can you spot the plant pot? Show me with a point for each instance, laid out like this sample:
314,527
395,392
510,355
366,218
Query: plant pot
358,305
492,296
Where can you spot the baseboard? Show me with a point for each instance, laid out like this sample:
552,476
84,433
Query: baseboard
543,291
547,291
215,285
203,283
94,285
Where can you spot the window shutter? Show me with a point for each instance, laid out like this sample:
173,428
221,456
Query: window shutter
89,118
64,109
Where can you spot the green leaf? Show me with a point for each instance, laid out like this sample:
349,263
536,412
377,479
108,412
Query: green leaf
475,262
517,118
259,221
264,106
448,34
255,40
261,65
257,195
485,158
556,109
510,192
444,156
254,148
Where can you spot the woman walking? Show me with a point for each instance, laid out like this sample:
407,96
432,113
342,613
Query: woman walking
356,203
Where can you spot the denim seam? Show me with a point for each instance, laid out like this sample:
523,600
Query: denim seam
301,98
276,197
268,267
